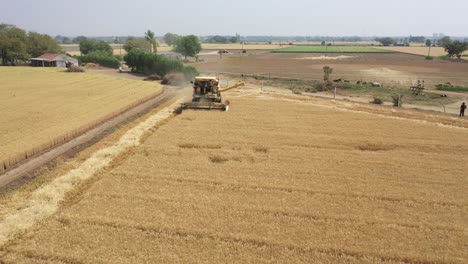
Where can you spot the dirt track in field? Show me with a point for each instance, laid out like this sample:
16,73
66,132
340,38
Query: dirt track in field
394,68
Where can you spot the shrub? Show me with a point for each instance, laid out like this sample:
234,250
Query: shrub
150,63
296,91
429,58
100,58
75,69
320,86
310,90
88,46
377,101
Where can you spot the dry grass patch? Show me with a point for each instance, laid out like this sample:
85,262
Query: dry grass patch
218,159
199,146
261,149
375,147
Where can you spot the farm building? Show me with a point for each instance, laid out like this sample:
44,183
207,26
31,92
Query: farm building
52,60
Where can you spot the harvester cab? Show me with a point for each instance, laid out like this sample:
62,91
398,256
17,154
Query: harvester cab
207,94
206,89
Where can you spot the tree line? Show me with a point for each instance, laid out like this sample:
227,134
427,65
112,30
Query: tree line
18,45
188,46
151,63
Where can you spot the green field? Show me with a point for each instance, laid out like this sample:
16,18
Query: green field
330,49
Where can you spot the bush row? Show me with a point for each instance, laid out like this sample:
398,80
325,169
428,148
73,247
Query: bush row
150,63
100,58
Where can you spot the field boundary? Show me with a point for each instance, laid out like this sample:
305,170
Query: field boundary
405,80
13,161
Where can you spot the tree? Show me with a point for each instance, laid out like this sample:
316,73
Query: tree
140,44
91,45
233,39
78,39
39,44
58,38
417,39
87,46
150,63
444,41
456,48
13,44
386,41
66,40
149,36
104,47
170,39
327,71
188,46
217,39
428,42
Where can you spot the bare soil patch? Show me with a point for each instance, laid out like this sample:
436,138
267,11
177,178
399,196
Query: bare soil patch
341,57
410,68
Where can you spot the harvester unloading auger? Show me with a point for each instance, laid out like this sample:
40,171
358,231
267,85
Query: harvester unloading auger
207,94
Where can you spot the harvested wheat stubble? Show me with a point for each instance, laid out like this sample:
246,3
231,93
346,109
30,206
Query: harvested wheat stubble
298,183
45,200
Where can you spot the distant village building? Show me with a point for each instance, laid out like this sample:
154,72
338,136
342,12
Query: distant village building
53,60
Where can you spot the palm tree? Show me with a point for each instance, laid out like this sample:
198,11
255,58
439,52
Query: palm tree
149,36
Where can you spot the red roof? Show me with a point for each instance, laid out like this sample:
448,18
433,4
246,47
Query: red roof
48,56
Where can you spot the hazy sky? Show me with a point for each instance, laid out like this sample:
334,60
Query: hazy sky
246,17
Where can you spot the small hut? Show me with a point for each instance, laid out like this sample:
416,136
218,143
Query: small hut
53,60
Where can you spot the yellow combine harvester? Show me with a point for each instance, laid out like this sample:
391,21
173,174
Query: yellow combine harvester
207,94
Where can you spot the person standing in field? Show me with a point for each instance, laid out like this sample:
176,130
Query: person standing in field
462,109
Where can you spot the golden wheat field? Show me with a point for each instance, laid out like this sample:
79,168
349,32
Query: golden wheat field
39,104
272,180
